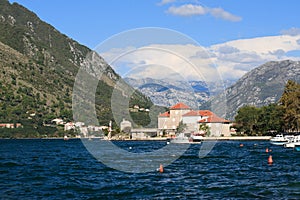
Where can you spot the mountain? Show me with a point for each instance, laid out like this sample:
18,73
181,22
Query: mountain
168,92
38,70
259,87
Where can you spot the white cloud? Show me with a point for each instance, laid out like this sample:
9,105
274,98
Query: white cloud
187,10
220,13
191,9
175,59
263,45
227,49
292,31
231,59
163,2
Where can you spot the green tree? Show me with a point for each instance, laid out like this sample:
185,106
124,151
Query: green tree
247,119
181,127
290,102
205,128
270,119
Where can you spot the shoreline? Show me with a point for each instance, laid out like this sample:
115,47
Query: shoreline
229,138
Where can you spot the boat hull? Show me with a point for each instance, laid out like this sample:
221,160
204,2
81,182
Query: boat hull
291,144
279,143
180,140
196,138
281,140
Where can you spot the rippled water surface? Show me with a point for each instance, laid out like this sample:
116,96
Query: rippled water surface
57,169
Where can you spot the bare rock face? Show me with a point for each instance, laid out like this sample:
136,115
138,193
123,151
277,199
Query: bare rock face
169,92
261,86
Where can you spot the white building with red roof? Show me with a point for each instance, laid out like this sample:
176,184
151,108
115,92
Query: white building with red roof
169,121
218,125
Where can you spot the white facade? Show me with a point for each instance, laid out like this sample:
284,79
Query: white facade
69,126
125,125
169,121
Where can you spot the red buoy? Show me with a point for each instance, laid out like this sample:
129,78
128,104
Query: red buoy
270,160
161,168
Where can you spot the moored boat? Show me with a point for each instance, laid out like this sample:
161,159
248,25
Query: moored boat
279,140
184,138
196,138
293,143
181,138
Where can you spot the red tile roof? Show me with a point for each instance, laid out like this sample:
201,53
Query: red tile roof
165,114
213,119
180,106
205,113
191,113
199,113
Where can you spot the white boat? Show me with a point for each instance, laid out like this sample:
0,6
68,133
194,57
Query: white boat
196,138
293,143
289,137
181,138
279,140
186,138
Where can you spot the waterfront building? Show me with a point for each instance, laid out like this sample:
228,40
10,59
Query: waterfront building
125,126
169,121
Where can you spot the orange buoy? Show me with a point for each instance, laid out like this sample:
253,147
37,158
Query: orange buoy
267,150
161,168
270,160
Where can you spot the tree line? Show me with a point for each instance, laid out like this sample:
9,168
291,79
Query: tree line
283,116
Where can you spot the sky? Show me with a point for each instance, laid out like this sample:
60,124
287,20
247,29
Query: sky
228,36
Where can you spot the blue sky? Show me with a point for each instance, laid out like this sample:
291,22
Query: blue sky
239,35
93,21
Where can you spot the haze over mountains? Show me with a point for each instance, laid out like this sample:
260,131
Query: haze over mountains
261,86
167,92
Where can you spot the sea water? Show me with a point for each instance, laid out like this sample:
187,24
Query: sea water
58,169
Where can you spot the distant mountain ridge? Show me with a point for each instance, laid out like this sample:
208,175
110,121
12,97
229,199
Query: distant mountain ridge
259,87
168,92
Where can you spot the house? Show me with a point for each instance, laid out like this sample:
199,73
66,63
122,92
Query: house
125,126
69,126
192,118
79,124
143,133
58,121
10,125
217,125
169,121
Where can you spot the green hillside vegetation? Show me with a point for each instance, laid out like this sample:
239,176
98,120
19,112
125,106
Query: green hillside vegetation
38,66
283,116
